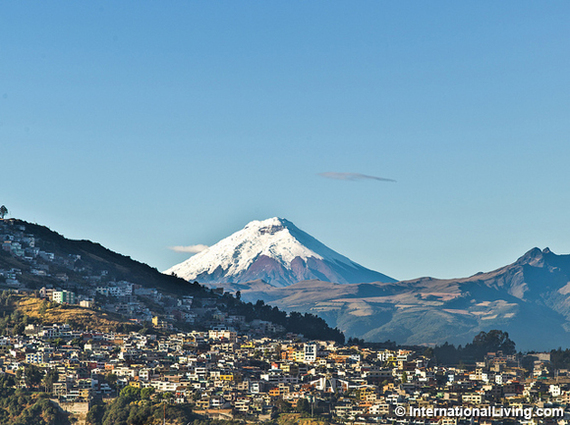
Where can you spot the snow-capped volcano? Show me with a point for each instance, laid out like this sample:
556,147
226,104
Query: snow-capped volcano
275,251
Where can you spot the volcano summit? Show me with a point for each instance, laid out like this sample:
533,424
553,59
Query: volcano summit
277,252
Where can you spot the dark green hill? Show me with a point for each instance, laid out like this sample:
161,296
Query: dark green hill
95,258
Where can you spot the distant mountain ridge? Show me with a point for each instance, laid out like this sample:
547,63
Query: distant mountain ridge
529,299
275,251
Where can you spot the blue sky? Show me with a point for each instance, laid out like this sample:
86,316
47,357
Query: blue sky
143,125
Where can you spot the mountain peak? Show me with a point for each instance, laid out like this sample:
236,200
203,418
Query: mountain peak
276,251
533,257
271,225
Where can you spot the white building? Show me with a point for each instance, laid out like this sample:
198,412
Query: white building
63,296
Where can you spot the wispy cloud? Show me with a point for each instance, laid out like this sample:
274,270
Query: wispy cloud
353,177
192,249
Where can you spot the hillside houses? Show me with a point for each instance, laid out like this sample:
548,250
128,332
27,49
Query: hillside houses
223,370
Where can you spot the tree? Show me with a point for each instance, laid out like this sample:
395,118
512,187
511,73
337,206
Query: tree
282,405
130,393
3,211
95,414
50,378
355,341
303,406
18,329
494,340
32,376
146,393
111,379
483,343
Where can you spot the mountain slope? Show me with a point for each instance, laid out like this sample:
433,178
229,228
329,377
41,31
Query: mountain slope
529,298
276,251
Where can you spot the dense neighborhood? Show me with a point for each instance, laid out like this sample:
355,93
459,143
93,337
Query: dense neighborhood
226,375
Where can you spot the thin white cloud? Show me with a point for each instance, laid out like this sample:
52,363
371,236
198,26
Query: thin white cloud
353,177
192,249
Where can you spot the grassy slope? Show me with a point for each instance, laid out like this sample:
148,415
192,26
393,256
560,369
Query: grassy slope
83,318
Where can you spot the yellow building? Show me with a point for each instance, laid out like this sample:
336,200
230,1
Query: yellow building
366,392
